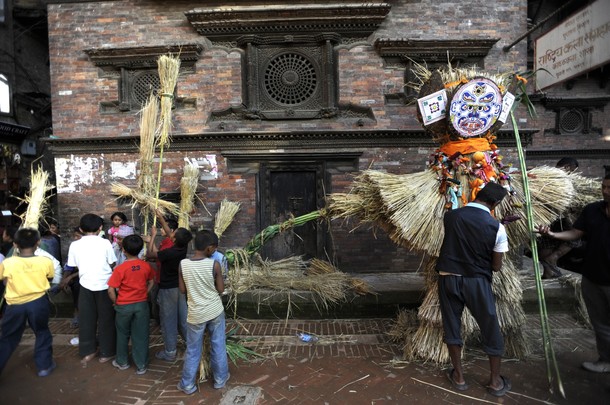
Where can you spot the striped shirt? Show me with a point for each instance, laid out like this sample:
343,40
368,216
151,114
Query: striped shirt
204,302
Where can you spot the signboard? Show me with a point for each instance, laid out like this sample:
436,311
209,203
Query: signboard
577,45
10,131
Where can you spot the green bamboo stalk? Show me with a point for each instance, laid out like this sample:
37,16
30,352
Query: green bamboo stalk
271,231
549,353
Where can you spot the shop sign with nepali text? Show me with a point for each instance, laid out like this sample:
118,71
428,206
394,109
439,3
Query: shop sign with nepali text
577,45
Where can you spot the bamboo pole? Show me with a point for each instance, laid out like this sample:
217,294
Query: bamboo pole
549,353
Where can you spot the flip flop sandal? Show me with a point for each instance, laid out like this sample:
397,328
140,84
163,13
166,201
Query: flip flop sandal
506,386
459,387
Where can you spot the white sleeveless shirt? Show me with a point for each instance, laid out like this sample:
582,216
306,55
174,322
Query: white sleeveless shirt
204,302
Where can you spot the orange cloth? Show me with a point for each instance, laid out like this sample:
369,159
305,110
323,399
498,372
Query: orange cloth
466,146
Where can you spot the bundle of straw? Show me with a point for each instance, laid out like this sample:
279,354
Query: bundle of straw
144,201
188,188
148,123
36,198
224,216
169,68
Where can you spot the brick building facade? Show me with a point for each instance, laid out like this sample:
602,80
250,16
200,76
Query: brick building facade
285,102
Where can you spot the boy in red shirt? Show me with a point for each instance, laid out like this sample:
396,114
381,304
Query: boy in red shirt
133,278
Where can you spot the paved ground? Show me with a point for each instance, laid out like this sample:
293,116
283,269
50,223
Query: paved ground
352,363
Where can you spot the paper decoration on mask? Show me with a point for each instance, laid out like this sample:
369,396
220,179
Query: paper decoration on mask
433,107
507,104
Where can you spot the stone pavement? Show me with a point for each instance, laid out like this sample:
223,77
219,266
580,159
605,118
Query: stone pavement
352,362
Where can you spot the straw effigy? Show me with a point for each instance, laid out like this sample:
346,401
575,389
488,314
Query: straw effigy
188,188
411,209
36,199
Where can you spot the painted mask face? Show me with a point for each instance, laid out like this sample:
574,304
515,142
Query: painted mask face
475,107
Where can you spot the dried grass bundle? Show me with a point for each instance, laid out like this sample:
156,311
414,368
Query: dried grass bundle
427,345
506,284
317,266
344,205
169,68
328,285
148,123
144,201
587,190
36,198
575,281
552,193
403,327
454,76
225,215
188,188
361,287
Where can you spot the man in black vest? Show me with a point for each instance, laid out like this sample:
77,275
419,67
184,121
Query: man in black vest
472,249
594,225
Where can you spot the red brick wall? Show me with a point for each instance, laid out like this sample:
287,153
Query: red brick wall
216,84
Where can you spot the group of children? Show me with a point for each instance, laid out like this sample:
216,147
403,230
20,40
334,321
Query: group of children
114,296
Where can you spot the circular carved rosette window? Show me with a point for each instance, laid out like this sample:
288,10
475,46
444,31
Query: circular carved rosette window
290,79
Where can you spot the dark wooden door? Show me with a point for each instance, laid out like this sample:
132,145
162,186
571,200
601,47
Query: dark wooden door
291,193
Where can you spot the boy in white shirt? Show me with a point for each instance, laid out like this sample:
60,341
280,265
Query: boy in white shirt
94,258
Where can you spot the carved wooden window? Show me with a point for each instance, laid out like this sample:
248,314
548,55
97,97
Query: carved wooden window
573,120
142,85
290,77
137,73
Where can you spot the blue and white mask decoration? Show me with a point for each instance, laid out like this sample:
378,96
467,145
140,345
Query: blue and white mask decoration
475,107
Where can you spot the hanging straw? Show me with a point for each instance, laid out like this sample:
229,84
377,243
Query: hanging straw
36,198
224,216
188,188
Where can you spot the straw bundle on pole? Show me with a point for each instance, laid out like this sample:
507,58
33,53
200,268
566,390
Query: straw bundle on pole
144,201
188,188
148,123
169,67
36,198
224,216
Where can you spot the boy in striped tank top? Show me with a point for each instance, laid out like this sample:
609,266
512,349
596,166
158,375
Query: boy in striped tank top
202,281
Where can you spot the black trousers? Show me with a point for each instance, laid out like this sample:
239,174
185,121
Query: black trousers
96,323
